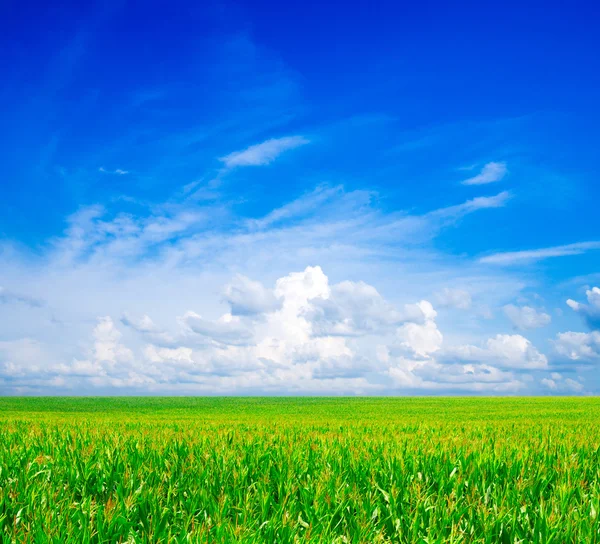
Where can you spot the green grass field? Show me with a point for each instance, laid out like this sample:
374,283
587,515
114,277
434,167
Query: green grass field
299,470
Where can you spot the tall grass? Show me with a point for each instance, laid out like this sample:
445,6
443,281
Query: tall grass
299,470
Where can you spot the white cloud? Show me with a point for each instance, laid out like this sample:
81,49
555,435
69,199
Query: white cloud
309,203
466,374
107,357
144,324
263,153
161,355
318,337
330,225
19,357
534,255
151,331
454,298
515,351
247,297
491,172
573,385
557,384
228,329
356,308
590,311
478,203
526,317
550,384
117,171
107,347
435,377
298,333
578,346
420,362
504,351
421,340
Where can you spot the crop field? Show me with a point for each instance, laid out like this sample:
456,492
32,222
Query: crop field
281,470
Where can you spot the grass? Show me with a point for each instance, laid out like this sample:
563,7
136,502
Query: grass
299,470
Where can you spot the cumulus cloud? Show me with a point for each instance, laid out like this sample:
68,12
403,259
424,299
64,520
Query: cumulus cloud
263,153
456,374
454,298
556,383
303,335
248,297
581,348
421,340
356,308
20,357
550,384
144,324
515,351
578,346
435,377
228,329
590,311
526,317
420,361
107,357
504,351
164,355
107,347
533,255
150,331
491,172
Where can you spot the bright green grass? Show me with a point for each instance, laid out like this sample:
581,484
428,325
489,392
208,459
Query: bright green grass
299,470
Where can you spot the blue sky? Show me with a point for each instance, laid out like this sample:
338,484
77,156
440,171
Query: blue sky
297,198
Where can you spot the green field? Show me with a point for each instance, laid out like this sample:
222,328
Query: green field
299,470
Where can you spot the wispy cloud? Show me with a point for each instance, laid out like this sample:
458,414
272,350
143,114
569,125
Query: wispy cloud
491,172
304,206
263,153
454,298
118,171
9,297
452,213
528,256
482,202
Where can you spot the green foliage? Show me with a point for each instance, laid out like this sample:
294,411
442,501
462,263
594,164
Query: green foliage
281,470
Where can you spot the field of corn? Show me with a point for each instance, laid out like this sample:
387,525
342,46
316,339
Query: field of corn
283,470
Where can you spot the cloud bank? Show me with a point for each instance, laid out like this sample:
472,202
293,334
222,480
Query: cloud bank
192,298
303,335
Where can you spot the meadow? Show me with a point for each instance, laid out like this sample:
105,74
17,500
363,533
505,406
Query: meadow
279,470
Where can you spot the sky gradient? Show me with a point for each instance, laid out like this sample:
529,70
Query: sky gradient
294,198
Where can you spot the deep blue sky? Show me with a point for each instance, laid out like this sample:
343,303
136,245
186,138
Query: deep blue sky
132,107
